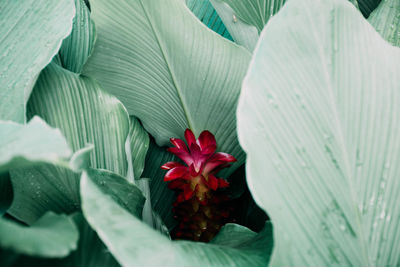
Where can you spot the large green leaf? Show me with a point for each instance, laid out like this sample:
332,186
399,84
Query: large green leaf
204,10
78,46
24,145
85,114
318,118
168,69
133,243
243,33
386,21
51,236
31,34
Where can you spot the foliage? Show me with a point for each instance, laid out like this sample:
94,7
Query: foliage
91,93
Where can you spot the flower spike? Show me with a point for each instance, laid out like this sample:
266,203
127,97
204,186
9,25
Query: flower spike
198,204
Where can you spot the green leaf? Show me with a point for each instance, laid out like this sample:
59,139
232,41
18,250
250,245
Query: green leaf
161,196
167,90
85,114
51,236
133,243
386,21
91,251
367,6
78,46
139,144
6,193
31,34
318,118
204,10
255,12
244,34
25,145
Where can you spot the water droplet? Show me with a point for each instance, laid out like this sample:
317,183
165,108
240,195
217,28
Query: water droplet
342,227
382,215
234,19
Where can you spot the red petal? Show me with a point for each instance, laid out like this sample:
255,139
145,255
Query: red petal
206,139
213,182
176,184
182,154
179,144
189,136
225,157
171,165
187,192
177,172
222,183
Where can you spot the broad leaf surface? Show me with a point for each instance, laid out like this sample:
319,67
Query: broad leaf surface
51,236
244,34
133,243
204,10
25,145
386,21
78,46
30,35
85,114
168,69
318,118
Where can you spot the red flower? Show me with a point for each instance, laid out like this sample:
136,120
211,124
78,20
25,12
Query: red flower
197,177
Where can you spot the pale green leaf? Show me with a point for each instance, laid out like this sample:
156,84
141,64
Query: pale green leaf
25,145
138,141
386,21
78,46
168,69
204,10
51,236
244,34
318,118
133,243
30,35
85,114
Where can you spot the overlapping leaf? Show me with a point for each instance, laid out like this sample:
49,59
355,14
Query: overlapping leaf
204,10
30,35
78,46
386,21
168,69
318,117
119,230
85,114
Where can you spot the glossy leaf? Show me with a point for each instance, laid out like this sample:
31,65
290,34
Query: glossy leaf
85,114
204,10
51,236
161,196
78,46
25,145
318,120
139,144
133,243
244,34
31,34
386,21
136,59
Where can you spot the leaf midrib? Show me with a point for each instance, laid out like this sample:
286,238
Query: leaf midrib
163,52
